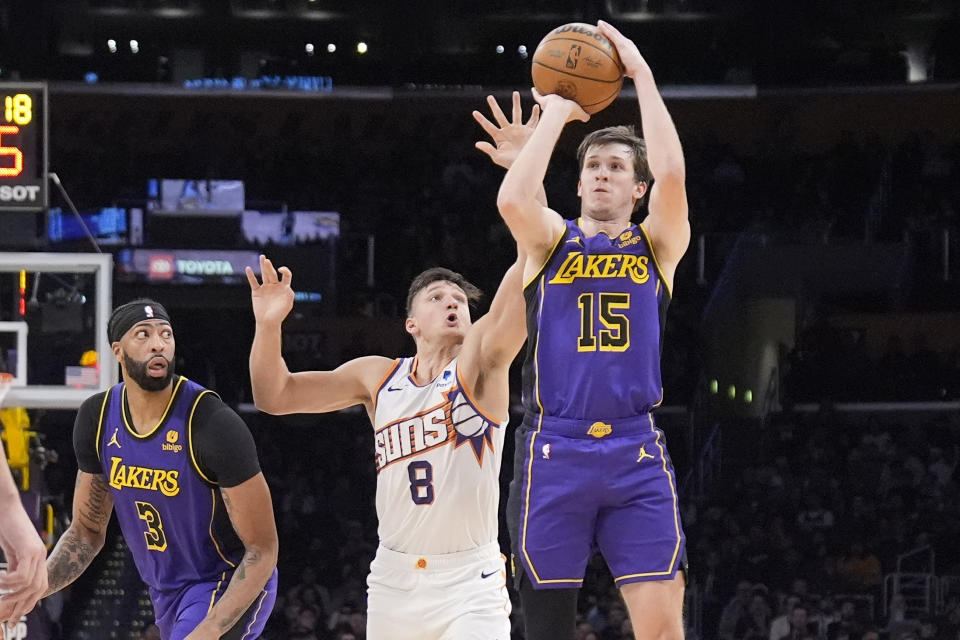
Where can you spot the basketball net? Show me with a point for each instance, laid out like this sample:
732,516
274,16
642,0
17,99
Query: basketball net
6,381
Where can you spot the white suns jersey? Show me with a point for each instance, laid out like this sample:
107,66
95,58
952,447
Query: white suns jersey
438,464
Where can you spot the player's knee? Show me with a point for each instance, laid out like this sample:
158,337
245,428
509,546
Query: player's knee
662,629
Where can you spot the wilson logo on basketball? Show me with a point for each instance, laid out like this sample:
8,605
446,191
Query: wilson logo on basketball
161,266
588,31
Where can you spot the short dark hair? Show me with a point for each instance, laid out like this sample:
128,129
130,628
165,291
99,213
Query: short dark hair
620,134
436,274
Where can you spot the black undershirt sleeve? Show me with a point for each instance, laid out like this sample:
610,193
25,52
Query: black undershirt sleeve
222,443
85,434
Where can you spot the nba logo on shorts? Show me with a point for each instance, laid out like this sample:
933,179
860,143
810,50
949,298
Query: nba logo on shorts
546,451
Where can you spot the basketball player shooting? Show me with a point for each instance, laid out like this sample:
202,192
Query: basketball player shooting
438,424
180,468
591,464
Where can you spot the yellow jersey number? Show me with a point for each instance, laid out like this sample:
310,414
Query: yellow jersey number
615,332
156,538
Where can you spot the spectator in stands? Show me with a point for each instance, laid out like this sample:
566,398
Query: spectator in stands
859,569
344,632
939,468
799,629
735,611
900,625
756,624
823,615
583,630
815,517
847,626
306,626
780,626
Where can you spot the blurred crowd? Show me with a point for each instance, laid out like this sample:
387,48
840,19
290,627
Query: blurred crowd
828,363
814,511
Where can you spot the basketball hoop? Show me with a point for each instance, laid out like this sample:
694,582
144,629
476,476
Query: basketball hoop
6,381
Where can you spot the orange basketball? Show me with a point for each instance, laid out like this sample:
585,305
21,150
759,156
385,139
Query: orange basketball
577,62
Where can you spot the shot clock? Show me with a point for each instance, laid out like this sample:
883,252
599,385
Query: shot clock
23,146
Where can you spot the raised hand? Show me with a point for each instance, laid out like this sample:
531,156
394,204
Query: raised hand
630,56
508,136
555,101
273,299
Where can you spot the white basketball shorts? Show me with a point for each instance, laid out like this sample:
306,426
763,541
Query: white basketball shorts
454,596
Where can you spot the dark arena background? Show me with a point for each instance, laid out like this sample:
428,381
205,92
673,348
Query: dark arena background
811,360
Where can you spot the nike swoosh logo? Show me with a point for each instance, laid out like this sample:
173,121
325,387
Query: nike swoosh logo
394,388
487,575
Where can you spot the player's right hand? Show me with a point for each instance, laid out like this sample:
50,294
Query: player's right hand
25,580
273,299
556,101
633,63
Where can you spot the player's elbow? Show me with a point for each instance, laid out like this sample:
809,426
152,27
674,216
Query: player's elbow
268,397
266,551
511,195
511,204
267,402
92,539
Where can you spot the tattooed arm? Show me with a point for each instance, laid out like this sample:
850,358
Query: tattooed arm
83,539
251,513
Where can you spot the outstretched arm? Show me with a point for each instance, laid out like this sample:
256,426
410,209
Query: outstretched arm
494,342
25,579
251,513
535,227
668,223
83,539
278,391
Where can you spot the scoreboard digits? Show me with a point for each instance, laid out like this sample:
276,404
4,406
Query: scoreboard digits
23,146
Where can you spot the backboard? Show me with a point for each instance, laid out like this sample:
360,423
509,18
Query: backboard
53,327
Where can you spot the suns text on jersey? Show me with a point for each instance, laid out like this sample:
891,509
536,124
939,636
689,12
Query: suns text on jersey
123,475
412,436
615,265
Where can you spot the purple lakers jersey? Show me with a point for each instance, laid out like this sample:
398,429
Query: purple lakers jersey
595,315
172,517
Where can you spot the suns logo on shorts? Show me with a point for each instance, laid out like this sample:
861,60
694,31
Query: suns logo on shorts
454,421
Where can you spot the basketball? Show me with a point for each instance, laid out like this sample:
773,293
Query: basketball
577,62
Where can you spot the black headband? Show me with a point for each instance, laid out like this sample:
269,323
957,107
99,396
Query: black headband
127,315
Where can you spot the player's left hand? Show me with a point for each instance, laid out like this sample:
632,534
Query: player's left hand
633,62
555,101
509,137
